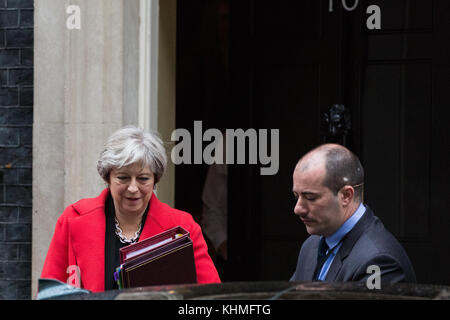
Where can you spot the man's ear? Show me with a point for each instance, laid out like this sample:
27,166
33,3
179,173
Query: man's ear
346,195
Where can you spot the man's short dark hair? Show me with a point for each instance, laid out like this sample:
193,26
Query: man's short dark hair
343,168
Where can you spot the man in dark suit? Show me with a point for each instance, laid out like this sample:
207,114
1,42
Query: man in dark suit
347,242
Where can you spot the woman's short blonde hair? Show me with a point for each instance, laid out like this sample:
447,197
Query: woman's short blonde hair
131,145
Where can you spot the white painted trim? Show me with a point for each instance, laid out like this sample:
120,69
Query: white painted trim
148,64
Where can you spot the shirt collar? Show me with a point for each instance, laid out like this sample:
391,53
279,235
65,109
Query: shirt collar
348,225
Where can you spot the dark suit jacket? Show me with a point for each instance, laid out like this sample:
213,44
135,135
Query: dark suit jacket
368,243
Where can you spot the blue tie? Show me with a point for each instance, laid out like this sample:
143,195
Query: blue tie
321,257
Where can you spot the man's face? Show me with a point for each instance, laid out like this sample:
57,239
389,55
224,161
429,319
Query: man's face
318,208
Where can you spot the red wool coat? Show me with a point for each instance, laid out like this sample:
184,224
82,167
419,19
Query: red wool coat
79,240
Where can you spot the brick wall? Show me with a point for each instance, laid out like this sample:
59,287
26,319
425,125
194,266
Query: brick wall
16,119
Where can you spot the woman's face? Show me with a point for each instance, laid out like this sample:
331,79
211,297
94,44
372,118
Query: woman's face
131,188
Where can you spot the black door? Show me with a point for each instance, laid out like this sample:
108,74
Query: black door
292,61
287,64
404,139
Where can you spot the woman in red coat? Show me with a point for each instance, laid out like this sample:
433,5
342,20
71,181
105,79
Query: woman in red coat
84,250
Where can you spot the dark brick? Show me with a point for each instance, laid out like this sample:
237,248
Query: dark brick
4,114
9,57
8,97
27,4
16,119
20,116
9,251
16,270
2,232
24,289
25,252
25,214
3,77
9,289
18,232
26,57
2,39
17,157
26,96
9,214
9,175
20,76
26,18
26,136
9,18
24,176
20,195
9,137
19,38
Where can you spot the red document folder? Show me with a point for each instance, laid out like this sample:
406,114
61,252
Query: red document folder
166,258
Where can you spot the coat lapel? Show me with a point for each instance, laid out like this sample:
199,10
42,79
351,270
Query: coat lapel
334,269
347,246
87,234
312,258
157,219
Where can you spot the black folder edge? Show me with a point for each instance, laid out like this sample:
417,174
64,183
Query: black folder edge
121,273
127,270
156,252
